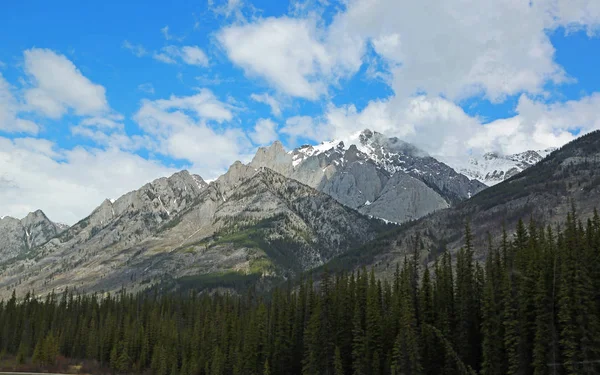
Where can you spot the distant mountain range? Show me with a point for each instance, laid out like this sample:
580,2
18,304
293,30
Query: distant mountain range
567,179
493,167
284,213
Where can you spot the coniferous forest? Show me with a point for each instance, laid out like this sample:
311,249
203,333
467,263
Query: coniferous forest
531,307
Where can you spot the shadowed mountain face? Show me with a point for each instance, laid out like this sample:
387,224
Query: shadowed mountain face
378,176
19,236
545,193
247,223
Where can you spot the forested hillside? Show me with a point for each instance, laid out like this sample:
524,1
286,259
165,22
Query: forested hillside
532,308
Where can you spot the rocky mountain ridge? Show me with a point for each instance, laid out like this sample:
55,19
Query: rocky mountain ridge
494,167
250,222
376,175
17,236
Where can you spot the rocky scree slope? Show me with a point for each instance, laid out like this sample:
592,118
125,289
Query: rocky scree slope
248,223
378,176
545,192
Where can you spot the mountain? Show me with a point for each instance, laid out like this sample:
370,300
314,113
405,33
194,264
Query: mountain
545,192
19,236
493,167
376,175
248,224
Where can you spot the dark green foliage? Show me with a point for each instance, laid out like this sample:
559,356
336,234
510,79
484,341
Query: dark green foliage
531,308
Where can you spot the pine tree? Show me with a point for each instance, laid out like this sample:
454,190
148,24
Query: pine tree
338,365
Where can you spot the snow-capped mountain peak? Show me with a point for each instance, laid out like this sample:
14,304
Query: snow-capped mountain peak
398,180
494,167
305,151
389,153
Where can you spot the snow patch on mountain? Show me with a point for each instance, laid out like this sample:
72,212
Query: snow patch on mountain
493,167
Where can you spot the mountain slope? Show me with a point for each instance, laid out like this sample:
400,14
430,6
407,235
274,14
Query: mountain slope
378,176
19,236
246,223
545,192
492,167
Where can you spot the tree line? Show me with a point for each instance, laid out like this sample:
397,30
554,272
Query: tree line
532,307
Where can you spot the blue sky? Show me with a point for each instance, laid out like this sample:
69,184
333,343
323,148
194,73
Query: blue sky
98,98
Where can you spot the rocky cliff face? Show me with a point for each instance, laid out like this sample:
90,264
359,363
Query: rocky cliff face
132,217
18,236
379,176
250,221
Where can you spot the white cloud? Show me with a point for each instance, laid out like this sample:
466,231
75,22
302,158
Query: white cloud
75,181
191,55
290,54
268,100
445,131
435,57
265,132
229,8
109,132
496,48
163,57
9,108
204,104
109,122
168,36
136,49
59,86
538,125
182,129
306,127
573,14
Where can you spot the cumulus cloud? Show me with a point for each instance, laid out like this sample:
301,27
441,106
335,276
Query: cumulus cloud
75,181
191,55
539,125
51,95
290,54
9,108
268,100
490,48
307,127
433,57
183,129
445,131
265,132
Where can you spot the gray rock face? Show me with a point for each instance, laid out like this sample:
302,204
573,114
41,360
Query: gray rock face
249,221
18,236
132,217
362,175
405,198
